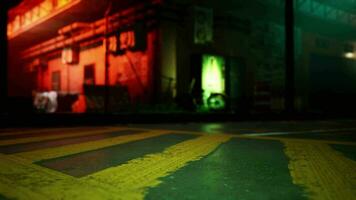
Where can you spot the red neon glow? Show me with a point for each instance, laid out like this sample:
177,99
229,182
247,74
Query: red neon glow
133,70
130,61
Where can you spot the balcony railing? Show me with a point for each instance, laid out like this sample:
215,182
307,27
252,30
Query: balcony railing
37,14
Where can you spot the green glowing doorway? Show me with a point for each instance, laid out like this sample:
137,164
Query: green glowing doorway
213,82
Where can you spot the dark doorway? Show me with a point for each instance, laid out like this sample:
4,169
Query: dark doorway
332,84
56,81
237,85
89,74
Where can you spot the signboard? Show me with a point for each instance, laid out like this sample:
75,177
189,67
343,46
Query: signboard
70,55
127,40
203,25
213,80
133,39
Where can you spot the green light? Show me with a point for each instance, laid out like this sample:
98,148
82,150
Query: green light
213,79
216,102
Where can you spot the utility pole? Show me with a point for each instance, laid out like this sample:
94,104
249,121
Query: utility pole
289,57
107,54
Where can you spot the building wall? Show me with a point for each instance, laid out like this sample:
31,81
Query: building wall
249,36
133,69
168,60
72,75
240,38
254,36
323,48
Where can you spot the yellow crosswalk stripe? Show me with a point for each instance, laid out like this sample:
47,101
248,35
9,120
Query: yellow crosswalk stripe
325,173
176,131
24,181
41,130
137,175
49,153
59,136
295,140
246,136
20,179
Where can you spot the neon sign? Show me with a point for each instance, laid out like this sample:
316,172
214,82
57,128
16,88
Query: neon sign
213,81
133,39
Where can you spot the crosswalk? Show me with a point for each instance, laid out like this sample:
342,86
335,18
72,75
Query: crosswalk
44,154
42,138
325,173
321,171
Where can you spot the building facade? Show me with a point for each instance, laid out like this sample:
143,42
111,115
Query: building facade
192,55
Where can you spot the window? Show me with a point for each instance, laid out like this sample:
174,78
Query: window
89,74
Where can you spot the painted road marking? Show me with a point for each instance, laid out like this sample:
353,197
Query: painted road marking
323,172
33,146
238,169
133,178
59,136
41,130
299,132
83,164
175,131
50,153
314,165
20,180
248,136
45,133
297,140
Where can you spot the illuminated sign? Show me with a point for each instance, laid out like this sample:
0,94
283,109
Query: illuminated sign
133,39
70,55
113,44
122,42
213,79
203,25
127,40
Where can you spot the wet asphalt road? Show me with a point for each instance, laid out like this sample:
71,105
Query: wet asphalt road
244,160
